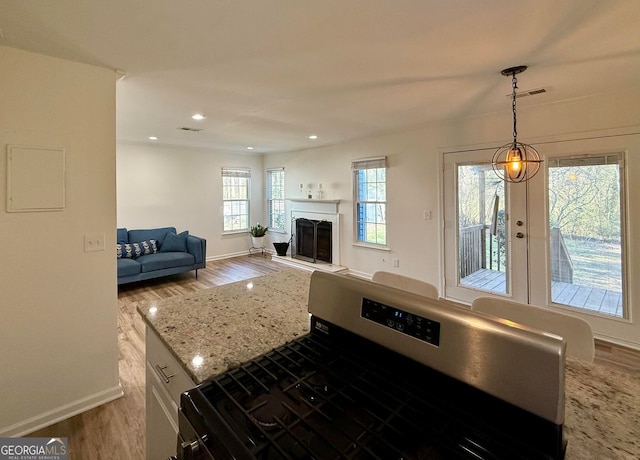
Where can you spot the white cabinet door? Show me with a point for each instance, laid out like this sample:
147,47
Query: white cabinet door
166,381
162,432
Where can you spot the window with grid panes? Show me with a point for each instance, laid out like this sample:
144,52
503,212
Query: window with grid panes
235,199
370,200
275,199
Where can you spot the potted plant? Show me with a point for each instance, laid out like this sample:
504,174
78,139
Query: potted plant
257,235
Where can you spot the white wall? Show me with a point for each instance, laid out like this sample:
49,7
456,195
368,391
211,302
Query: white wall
182,187
58,333
414,177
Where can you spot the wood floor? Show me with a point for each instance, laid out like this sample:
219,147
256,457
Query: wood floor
115,431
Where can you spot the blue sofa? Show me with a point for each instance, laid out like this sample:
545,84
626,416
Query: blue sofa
156,252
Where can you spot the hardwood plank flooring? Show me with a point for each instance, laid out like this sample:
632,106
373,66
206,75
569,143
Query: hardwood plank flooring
115,431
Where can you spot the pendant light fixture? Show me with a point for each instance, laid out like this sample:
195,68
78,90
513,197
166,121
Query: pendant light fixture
515,161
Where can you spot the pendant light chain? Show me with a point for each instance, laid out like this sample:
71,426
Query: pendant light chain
515,161
514,87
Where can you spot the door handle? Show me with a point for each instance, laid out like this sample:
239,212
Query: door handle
519,235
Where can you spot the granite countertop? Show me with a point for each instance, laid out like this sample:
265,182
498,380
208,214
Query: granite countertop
233,323
227,325
602,412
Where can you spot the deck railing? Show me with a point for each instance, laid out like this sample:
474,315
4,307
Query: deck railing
480,249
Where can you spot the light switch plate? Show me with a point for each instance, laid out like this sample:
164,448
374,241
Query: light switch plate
93,242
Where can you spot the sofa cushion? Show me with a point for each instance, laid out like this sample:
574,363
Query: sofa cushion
174,243
128,267
122,236
149,234
162,260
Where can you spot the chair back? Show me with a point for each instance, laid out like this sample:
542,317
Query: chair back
406,284
576,332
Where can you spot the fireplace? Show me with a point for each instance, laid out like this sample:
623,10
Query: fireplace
312,240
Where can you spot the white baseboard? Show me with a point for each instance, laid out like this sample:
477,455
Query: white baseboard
227,256
359,274
61,413
616,341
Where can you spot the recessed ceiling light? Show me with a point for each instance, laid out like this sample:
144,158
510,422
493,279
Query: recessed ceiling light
153,138
198,116
249,148
313,136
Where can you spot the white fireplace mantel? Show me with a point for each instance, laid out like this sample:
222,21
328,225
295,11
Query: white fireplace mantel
313,205
326,210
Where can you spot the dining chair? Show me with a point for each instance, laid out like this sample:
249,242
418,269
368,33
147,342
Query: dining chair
406,284
576,332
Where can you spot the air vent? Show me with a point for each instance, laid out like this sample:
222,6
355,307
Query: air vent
529,92
186,128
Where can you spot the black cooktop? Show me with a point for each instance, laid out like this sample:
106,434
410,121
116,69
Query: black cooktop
342,396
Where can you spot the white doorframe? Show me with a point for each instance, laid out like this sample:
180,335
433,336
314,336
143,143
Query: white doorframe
627,140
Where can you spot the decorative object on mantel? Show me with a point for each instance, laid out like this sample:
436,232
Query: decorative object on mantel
282,247
515,161
257,237
319,194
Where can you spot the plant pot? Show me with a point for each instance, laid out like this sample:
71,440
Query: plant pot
257,241
281,248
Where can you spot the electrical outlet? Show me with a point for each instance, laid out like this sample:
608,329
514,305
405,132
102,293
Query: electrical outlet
426,215
396,263
93,242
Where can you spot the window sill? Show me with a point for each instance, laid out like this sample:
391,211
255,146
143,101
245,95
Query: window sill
371,246
277,230
235,232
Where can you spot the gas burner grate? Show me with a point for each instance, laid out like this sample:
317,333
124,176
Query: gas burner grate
329,399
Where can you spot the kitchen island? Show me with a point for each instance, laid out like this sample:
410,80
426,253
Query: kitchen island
211,331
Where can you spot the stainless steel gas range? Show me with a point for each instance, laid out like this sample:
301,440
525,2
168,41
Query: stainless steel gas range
385,374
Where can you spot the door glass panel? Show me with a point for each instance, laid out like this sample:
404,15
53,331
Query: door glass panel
482,247
585,232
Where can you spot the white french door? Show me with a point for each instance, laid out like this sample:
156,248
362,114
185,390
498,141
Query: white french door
486,230
556,241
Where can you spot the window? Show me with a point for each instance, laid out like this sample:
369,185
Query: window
235,199
275,199
586,232
370,200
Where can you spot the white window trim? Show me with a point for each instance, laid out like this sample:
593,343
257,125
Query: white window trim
237,172
274,229
356,165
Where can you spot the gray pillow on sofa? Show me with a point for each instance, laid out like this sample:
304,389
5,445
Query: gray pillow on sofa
174,243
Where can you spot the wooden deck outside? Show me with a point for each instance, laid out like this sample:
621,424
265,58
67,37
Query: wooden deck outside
593,299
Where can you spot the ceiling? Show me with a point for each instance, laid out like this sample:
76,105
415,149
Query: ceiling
269,73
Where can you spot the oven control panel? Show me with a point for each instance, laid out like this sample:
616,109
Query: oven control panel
402,321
